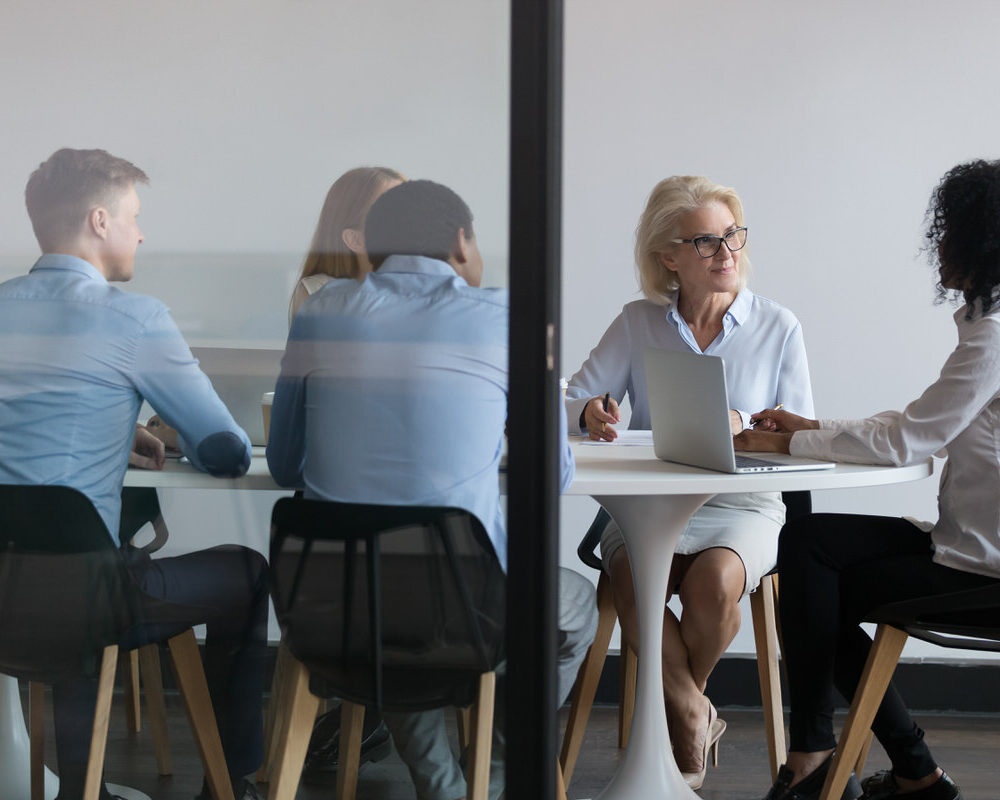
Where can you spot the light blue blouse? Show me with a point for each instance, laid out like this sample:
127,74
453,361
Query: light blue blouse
760,343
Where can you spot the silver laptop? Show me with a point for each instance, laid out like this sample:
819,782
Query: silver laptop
689,413
240,377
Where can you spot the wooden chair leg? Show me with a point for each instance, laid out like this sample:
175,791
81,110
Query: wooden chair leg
765,636
587,679
875,679
99,731
478,769
859,765
352,723
36,734
626,693
560,784
198,704
296,724
463,719
273,717
152,682
129,666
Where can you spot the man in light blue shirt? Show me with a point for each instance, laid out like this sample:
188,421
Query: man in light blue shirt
77,358
394,390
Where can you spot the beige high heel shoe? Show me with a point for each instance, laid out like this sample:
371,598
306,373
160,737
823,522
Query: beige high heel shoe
716,727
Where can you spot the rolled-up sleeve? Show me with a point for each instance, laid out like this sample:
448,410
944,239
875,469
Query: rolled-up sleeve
167,375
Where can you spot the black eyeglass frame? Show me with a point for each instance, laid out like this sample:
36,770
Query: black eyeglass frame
718,242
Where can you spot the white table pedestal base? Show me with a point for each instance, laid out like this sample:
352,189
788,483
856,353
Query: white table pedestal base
15,750
126,793
651,526
15,763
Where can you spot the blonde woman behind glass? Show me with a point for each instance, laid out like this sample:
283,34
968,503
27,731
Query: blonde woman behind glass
338,246
690,251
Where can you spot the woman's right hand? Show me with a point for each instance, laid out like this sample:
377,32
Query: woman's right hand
598,422
780,421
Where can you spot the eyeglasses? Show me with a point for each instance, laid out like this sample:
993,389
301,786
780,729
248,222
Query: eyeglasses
708,246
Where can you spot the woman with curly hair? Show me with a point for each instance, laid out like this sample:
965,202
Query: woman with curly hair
835,568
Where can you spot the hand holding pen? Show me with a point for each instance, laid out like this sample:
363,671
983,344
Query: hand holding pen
599,415
762,423
778,421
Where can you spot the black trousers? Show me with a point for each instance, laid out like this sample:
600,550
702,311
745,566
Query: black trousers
224,588
835,568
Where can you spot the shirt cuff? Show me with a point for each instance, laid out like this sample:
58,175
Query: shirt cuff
574,407
813,444
744,416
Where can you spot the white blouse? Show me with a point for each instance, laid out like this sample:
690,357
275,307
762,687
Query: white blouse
959,416
305,287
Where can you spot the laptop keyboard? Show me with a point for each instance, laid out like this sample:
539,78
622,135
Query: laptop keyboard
747,462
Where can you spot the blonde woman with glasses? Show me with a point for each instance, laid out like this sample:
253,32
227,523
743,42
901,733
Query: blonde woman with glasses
691,253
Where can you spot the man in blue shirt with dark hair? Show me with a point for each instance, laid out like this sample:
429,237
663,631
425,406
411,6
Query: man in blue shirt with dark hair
393,390
77,358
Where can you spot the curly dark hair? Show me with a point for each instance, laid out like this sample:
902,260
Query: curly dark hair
963,233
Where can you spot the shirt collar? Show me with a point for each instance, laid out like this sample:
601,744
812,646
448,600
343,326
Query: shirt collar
69,263
737,312
418,264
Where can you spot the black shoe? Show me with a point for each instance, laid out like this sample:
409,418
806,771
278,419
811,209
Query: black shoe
809,788
242,790
882,785
323,755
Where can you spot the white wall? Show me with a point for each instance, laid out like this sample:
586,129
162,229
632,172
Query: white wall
832,121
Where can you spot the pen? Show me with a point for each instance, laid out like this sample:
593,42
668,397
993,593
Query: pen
604,405
754,423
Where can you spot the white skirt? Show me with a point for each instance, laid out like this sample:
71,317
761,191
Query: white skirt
747,524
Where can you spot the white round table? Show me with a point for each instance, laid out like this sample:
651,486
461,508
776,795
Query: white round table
652,501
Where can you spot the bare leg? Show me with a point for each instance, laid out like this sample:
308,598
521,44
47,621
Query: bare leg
711,584
710,593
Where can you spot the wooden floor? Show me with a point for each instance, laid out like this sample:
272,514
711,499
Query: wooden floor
967,746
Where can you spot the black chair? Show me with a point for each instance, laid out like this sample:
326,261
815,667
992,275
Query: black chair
66,601
397,607
763,607
969,619
141,506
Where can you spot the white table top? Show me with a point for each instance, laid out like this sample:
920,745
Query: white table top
600,470
177,475
635,470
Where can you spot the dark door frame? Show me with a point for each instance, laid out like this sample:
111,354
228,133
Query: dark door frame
533,418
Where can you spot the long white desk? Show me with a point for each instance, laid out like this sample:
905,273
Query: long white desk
652,501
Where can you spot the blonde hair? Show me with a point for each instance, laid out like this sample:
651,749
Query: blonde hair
346,206
63,190
669,201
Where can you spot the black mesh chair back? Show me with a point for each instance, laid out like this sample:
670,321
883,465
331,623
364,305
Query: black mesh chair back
63,594
969,619
399,607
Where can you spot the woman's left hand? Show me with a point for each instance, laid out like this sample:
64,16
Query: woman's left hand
762,441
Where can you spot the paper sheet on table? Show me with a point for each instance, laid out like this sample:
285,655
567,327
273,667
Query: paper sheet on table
628,438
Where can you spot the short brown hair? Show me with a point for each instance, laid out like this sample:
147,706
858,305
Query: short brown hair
346,206
65,187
